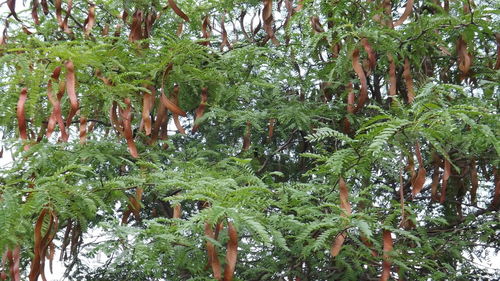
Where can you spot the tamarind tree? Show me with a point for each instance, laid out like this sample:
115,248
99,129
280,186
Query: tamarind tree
250,140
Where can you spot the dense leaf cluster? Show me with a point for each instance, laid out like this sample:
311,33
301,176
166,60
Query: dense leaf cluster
302,96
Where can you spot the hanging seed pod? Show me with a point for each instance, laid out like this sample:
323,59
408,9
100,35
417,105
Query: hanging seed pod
70,89
134,206
206,30
289,13
213,259
232,252
171,106
42,243
418,181
34,12
135,28
267,18
161,118
55,100
316,25
435,177
409,81
105,30
350,108
180,28
387,8
350,98
474,182
178,11
464,58
50,256
372,59
90,20
15,260
246,137
406,13
135,203
65,25
369,244
12,7
225,41
496,195
45,7
242,25
148,25
21,118
446,176
66,240
386,264
200,110
147,105
126,115
175,100
3,39
402,197
363,91
259,25
177,211
346,211
300,6
272,123
83,129
115,121
392,77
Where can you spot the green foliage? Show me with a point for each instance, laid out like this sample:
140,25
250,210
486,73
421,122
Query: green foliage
282,192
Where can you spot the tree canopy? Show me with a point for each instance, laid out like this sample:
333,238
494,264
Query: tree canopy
250,140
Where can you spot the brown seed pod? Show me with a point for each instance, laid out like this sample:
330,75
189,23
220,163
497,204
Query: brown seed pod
386,263
408,81
316,25
90,20
464,58
175,100
136,29
213,259
21,118
418,181
55,100
126,115
200,110
444,183
267,18
246,137
406,13
232,252
392,76
346,211
178,11
83,129
70,89
147,104
363,91
225,40
372,59
171,106
474,182
34,12
12,7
